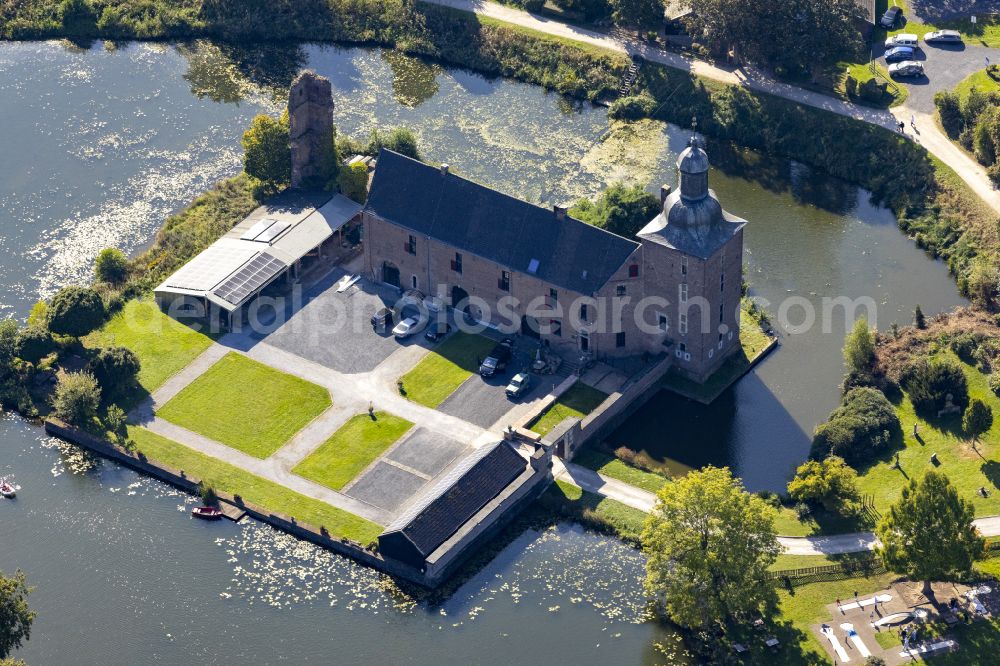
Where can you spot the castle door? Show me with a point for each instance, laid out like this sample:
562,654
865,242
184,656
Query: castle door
390,274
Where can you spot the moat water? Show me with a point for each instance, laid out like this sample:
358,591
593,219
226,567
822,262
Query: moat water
101,143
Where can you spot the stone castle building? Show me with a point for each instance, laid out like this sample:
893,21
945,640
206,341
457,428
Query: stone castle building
310,130
675,289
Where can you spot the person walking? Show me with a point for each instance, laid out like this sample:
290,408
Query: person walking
913,121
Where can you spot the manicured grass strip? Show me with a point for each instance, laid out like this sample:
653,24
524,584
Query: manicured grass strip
595,511
608,465
254,489
351,449
246,405
578,401
164,345
444,369
788,523
968,469
980,80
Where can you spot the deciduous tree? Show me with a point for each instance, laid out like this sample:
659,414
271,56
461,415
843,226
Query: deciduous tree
859,347
621,209
830,483
267,155
111,265
709,544
15,615
928,533
353,182
77,398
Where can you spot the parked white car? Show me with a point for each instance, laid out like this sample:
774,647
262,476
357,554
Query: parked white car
406,328
943,37
902,39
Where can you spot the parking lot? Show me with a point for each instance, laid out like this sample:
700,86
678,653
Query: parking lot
483,401
334,329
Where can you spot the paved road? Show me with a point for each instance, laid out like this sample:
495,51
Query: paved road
944,67
930,137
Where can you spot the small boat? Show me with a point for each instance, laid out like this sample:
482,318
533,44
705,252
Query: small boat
206,512
7,490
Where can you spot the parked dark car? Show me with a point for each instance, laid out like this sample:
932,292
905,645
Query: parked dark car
437,331
382,319
891,17
899,53
498,358
906,68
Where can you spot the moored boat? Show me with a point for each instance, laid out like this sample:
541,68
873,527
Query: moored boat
7,490
206,513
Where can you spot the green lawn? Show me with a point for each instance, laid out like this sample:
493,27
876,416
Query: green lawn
595,510
351,449
967,468
754,342
444,369
985,32
862,73
609,465
980,80
254,489
246,405
578,401
788,523
164,345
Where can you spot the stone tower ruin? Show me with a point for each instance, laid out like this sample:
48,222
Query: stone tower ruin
310,115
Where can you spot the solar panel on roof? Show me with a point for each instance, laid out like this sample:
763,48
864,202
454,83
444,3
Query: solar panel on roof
272,232
212,266
257,229
254,275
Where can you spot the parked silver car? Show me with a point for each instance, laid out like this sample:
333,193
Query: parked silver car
943,37
906,68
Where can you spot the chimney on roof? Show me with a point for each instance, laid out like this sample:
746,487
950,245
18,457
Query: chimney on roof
560,211
444,169
665,191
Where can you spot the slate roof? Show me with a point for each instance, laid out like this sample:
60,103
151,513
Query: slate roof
441,509
468,216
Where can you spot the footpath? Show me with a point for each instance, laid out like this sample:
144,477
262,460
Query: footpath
927,132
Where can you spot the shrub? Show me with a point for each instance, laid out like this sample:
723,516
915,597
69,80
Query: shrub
965,346
851,86
34,343
399,140
115,369
859,347
829,483
872,90
111,265
115,422
995,383
929,383
77,398
950,110
918,318
633,107
75,311
864,425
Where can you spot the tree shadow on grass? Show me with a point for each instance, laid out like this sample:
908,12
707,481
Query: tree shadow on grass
991,470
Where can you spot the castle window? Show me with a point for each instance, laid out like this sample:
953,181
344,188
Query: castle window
556,328
684,265
411,245
682,288
722,282
620,339
456,263
620,290
664,323
583,312
722,310
504,282
683,323
413,281
553,297
633,271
